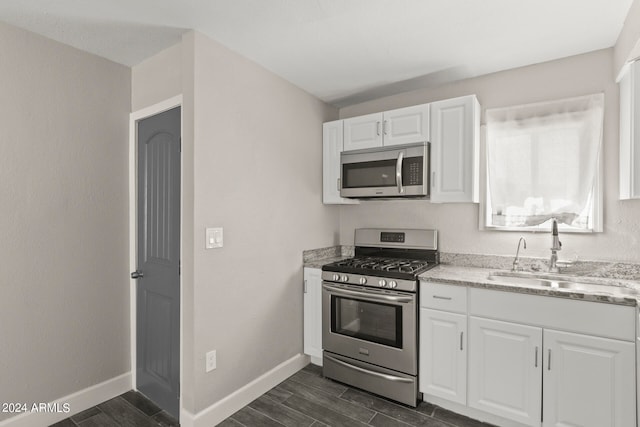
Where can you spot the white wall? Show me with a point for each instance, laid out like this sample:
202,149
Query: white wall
627,46
157,78
258,174
252,163
458,223
64,304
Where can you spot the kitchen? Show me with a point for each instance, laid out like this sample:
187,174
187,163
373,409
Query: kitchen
265,225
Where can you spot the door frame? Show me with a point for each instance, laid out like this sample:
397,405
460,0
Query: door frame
134,118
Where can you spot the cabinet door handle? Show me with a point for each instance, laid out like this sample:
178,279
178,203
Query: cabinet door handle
384,127
305,286
536,358
461,335
378,127
445,298
549,361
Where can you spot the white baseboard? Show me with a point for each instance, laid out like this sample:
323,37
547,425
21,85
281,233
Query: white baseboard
77,402
316,360
222,409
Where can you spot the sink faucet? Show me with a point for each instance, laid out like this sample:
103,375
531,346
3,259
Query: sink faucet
556,245
516,261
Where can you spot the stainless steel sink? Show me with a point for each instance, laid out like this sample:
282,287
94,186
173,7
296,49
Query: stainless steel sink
569,283
517,280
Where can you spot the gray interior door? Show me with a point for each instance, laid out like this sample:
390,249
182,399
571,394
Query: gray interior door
158,293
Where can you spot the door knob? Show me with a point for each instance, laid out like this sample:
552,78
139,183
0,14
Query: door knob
137,274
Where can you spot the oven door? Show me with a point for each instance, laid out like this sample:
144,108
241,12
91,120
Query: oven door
372,325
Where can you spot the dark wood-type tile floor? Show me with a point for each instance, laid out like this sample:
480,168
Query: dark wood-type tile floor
303,400
130,409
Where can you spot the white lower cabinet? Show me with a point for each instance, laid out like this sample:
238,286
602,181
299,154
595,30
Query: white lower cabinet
312,306
528,360
443,358
588,381
505,370
517,370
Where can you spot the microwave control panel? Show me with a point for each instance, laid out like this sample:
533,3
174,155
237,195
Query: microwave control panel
413,171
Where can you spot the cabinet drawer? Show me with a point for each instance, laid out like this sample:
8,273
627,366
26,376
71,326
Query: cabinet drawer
564,314
443,297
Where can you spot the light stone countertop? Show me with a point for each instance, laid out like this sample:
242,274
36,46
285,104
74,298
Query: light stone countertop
478,278
318,263
473,271
316,258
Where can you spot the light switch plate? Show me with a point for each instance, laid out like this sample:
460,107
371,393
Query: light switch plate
214,238
211,361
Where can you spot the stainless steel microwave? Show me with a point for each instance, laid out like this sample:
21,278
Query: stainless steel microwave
393,171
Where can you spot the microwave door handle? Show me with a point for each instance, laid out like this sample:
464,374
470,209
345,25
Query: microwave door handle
399,172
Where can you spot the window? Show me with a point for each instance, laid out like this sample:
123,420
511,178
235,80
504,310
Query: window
543,162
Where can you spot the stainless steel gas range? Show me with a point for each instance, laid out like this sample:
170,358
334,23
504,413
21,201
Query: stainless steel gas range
370,311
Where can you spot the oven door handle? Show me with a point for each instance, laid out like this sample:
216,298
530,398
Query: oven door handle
368,372
367,295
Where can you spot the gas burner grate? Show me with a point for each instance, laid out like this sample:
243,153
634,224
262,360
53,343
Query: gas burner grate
384,264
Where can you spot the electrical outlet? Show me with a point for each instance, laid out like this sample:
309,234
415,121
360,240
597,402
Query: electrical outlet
211,360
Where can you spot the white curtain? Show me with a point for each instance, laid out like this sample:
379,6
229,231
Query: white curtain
542,160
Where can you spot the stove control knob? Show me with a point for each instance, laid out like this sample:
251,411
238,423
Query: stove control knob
363,280
393,284
344,278
336,277
382,283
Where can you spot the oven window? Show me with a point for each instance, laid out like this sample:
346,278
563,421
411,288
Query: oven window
370,321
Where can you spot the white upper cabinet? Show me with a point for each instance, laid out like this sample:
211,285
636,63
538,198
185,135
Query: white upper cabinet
394,127
363,132
455,150
332,146
630,133
451,126
406,125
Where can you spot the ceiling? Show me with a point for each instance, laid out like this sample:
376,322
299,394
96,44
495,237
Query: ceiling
342,51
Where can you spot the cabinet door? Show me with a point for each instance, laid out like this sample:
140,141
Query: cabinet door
443,355
406,125
332,143
588,381
363,132
630,133
313,314
505,362
455,145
